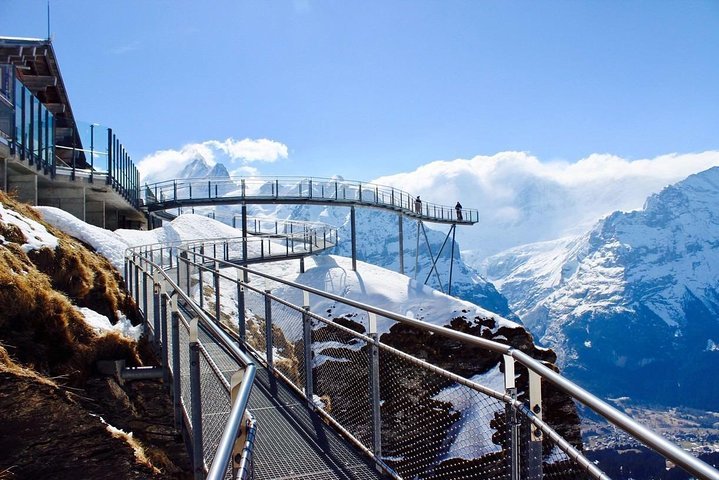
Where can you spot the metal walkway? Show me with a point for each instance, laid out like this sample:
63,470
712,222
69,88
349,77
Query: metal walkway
298,190
293,442
286,437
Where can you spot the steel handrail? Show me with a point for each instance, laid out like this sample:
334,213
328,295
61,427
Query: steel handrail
233,425
667,449
664,447
399,198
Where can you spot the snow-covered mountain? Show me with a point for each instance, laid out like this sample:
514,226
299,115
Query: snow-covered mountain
636,298
200,168
522,199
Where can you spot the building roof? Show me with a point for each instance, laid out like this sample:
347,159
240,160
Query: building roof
37,68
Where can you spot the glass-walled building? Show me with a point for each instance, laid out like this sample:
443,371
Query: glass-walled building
39,133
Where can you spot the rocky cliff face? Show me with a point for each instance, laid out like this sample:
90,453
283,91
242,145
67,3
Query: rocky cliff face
636,298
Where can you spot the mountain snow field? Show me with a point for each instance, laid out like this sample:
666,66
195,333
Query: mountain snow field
637,297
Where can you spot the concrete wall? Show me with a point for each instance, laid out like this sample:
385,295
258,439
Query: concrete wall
72,200
3,174
95,213
24,186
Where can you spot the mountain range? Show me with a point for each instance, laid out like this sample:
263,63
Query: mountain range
632,306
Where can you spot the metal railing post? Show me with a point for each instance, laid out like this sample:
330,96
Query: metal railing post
241,327
137,285
307,337
144,296
199,276
242,434
353,233
374,387
155,312
268,328
244,235
511,418
163,334
180,256
176,374
196,400
216,275
533,459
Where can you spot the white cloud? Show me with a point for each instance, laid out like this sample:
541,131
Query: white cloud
245,171
165,164
523,200
261,150
235,154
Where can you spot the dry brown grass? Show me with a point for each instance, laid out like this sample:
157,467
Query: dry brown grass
86,277
7,365
37,318
137,447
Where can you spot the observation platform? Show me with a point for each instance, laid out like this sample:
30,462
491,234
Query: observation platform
297,190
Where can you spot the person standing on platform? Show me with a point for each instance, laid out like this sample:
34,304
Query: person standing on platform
418,205
458,208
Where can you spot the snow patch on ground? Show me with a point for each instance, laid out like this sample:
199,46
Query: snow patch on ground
472,433
100,323
36,235
105,242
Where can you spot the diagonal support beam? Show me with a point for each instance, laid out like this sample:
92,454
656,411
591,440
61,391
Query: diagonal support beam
451,262
434,260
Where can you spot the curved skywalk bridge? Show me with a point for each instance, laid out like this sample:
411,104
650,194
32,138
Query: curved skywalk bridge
163,197
271,240
310,371
297,190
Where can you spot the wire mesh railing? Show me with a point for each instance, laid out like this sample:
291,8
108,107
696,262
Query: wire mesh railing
416,418
209,377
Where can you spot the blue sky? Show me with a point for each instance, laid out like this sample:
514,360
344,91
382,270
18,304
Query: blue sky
371,88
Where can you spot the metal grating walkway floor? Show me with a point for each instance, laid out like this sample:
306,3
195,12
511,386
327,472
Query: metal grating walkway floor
293,442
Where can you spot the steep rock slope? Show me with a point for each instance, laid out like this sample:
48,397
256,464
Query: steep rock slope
637,298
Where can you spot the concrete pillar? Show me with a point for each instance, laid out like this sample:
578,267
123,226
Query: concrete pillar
112,218
24,186
95,213
3,174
